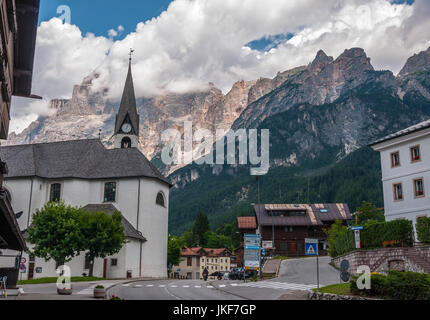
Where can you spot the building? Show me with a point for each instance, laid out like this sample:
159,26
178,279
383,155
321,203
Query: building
288,225
215,260
84,173
405,160
195,260
18,28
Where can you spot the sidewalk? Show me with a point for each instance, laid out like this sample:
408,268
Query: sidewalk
81,290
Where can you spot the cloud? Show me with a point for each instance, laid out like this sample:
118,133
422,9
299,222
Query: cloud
195,42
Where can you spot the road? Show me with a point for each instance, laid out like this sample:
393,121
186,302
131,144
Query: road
304,271
296,277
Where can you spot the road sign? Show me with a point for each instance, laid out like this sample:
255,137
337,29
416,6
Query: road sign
252,240
179,270
344,274
357,239
311,247
344,265
252,251
267,244
23,260
357,228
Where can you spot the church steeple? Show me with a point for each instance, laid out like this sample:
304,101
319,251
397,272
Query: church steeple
127,120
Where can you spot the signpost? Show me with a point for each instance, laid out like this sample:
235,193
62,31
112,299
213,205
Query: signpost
357,236
267,245
252,252
311,249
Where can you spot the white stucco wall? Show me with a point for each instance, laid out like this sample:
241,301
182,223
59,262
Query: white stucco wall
410,207
140,210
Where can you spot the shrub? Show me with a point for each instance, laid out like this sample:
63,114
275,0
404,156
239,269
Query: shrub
376,235
397,285
99,287
407,286
423,229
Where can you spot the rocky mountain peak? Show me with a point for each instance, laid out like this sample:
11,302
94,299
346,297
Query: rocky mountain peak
320,62
354,59
418,62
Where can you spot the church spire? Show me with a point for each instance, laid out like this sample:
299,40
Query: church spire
127,119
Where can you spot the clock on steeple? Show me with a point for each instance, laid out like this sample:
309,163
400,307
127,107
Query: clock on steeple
127,120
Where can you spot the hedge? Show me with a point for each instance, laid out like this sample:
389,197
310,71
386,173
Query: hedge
398,233
396,285
423,230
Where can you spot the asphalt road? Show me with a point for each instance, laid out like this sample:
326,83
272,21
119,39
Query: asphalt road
296,277
170,290
304,271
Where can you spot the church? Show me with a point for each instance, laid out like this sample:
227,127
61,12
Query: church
84,173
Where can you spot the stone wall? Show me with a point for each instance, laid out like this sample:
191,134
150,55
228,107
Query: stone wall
382,260
329,296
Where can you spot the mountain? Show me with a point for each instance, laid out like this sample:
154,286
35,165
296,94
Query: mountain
89,114
320,119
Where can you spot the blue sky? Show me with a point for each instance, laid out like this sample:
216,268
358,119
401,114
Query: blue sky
99,16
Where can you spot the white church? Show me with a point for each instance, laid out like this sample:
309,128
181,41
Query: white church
84,173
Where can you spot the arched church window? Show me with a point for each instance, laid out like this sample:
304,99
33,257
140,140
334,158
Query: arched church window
160,199
55,194
126,143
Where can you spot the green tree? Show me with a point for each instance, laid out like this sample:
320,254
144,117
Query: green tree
200,227
188,239
337,229
368,211
103,235
219,241
56,232
173,250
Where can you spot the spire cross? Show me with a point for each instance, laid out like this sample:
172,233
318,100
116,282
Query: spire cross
131,53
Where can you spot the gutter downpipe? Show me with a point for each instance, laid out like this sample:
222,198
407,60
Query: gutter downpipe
29,204
137,228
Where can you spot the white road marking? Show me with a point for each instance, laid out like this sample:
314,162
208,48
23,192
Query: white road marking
126,285
278,285
222,285
149,285
185,286
161,285
173,286
137,286
197,286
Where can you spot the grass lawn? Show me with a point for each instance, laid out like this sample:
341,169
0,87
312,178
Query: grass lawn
339,289
54,279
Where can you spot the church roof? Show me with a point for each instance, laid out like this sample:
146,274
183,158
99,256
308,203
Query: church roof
81,159
128,106
109,208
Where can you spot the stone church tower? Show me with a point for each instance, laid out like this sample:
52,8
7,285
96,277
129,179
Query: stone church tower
126,133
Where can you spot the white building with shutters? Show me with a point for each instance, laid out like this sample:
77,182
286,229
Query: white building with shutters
405,161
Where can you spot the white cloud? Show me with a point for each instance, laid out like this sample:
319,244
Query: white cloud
195,42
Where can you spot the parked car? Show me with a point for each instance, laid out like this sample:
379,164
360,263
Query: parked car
240,274
218,274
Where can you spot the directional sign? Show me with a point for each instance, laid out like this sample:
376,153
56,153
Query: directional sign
252,240
357,228
311,247
252,251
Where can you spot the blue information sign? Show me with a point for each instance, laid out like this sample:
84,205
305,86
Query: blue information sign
311,247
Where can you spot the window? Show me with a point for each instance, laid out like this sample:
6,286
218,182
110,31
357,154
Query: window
113,262
395,159
55,194
415,154
189,262
419,188
160,199
288,229
126,143
87,261
110,192
398,192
